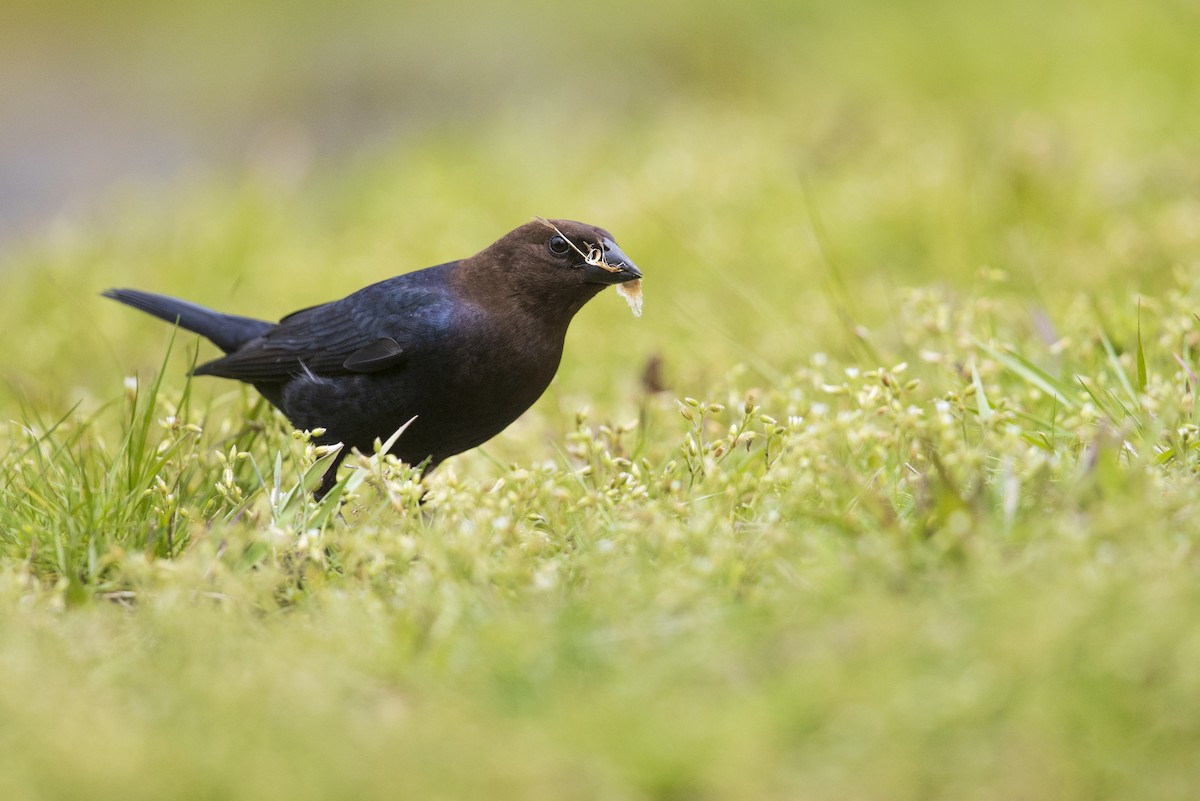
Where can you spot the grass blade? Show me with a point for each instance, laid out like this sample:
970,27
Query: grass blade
985,408
1018,364
1114,362
1141,354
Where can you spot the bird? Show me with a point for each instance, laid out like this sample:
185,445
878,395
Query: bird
460,349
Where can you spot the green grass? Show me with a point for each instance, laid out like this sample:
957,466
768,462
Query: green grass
916,517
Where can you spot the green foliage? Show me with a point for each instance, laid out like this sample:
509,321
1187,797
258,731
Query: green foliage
915,517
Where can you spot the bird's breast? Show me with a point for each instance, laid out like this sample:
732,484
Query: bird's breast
508,362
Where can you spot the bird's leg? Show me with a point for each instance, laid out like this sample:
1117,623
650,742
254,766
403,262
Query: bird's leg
330,478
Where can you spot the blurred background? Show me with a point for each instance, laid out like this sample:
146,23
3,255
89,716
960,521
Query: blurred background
101,95
779,169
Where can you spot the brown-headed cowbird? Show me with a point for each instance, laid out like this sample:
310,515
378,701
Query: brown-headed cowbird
464,347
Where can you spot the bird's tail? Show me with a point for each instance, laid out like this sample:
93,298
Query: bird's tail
228,332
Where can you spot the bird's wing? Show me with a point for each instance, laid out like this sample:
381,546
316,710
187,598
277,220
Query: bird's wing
376,328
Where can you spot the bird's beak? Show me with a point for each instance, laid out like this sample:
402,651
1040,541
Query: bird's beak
613,257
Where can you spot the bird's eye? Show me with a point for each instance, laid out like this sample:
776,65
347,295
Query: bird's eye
559,245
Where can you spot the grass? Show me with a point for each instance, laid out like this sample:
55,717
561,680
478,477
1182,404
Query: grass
915,517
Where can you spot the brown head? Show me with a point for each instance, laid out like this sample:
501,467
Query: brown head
552,267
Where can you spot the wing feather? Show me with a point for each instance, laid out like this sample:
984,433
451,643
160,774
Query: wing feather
379,355
377,328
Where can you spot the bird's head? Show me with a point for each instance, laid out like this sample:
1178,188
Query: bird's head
558,262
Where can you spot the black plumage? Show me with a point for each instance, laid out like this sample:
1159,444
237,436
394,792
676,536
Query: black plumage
464,347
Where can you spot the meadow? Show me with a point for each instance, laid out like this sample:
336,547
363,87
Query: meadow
890,493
